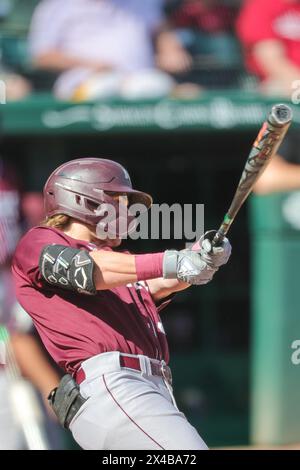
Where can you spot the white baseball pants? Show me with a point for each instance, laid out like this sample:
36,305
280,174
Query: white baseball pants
128,409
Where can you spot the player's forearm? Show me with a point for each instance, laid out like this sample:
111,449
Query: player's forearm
161,288
118,269
113,269
177,268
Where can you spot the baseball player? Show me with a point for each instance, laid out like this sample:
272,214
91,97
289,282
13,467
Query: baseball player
97,310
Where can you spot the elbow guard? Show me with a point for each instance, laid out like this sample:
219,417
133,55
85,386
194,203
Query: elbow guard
68,268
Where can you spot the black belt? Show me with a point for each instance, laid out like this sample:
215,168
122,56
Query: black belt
133,362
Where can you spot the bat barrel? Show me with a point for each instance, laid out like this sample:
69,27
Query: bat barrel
265,146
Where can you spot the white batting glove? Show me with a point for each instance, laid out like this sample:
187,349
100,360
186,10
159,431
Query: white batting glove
187,266
214,256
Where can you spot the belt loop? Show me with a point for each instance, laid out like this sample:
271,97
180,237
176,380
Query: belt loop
145,365
118,356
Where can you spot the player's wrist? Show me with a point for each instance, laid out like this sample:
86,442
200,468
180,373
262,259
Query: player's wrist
170,264
149,266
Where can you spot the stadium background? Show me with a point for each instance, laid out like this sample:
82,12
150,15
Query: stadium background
222,337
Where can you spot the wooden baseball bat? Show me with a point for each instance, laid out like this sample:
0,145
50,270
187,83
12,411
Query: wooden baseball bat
265,146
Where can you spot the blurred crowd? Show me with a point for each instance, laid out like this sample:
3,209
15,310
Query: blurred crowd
93,49
25,362
133,49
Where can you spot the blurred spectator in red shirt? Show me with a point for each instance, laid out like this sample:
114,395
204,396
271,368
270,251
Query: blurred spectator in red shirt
206,27
211,16
104,48
270,33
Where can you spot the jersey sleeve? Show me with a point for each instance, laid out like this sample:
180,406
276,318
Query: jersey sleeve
27,255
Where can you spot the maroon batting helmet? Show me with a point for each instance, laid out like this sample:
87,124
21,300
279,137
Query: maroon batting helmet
77,188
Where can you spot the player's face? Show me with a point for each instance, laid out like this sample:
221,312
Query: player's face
122,200
111,242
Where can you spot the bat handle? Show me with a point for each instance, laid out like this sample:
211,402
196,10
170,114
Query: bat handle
218,238
222,232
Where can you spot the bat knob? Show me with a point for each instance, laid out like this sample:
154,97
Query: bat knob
280,115
218,239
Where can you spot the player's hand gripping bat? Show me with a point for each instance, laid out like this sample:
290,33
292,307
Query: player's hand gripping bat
265,146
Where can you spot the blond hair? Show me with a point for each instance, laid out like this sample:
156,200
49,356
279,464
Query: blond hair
59,221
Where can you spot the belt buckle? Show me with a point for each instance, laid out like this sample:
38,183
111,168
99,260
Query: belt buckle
166,372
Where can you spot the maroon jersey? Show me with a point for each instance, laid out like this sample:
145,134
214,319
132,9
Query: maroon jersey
75,327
